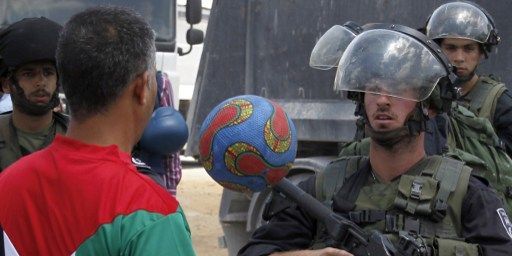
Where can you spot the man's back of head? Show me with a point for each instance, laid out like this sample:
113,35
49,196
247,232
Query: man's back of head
100,51
106,61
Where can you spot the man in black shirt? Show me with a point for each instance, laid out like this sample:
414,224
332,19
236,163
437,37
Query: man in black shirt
390,71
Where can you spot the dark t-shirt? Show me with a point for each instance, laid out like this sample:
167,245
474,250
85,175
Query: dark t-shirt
502,120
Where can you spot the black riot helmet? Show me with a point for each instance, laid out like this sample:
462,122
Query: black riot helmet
465,20
399,55
331,45
399,62
28,40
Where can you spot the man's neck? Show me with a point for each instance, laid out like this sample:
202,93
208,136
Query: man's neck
31,123
469,85
104,130
391,163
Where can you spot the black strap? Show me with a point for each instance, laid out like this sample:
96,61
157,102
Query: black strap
448,174
393,221
2,246
367,216
345,198
24,151
62,119
148,171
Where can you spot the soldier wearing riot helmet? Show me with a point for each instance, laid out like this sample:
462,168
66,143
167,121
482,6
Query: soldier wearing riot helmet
28,50
467,34
434,202
451,129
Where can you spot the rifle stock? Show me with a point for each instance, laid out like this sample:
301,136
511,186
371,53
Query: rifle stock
346,233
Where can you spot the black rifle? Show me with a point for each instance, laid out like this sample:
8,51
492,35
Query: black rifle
346,233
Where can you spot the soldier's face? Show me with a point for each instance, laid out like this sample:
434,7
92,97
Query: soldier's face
464,54
38,81
386,113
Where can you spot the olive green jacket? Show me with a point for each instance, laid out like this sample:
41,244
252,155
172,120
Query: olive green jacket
10,150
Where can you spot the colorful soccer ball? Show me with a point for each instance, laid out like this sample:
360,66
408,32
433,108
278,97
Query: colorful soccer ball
247,143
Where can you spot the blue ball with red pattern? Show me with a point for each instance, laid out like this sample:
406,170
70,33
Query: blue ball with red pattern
247,143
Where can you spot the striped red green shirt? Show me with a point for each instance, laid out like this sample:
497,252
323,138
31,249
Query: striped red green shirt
84,199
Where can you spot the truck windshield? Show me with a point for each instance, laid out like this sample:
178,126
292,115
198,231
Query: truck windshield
161,14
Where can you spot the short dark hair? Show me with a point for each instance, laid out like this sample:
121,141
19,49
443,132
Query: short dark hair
99,52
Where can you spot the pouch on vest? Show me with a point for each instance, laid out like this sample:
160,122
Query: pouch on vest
449,247
416,194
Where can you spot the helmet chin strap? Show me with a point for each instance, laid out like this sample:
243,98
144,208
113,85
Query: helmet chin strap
387,139
464,79
414,125
25,106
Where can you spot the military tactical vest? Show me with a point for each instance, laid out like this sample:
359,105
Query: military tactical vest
470,139
426,201
10,150
483,98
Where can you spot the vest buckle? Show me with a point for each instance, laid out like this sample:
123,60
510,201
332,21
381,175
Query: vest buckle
391,223
439,212
416,189
366,216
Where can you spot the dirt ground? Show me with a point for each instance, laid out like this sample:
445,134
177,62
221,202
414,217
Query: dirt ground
199,196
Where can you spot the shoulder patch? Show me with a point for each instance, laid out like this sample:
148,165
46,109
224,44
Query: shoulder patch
139,164
505,221
146,170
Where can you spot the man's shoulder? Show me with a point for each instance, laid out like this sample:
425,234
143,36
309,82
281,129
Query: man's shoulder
143,192
334,175
478,182
495,87
25,165
446,167
479,188
345,158
450,161
355,148
349,164
491,79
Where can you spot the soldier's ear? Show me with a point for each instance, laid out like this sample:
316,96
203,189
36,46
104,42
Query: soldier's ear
483,55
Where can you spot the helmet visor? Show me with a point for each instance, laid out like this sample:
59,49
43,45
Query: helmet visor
329,48
389,63
459,20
